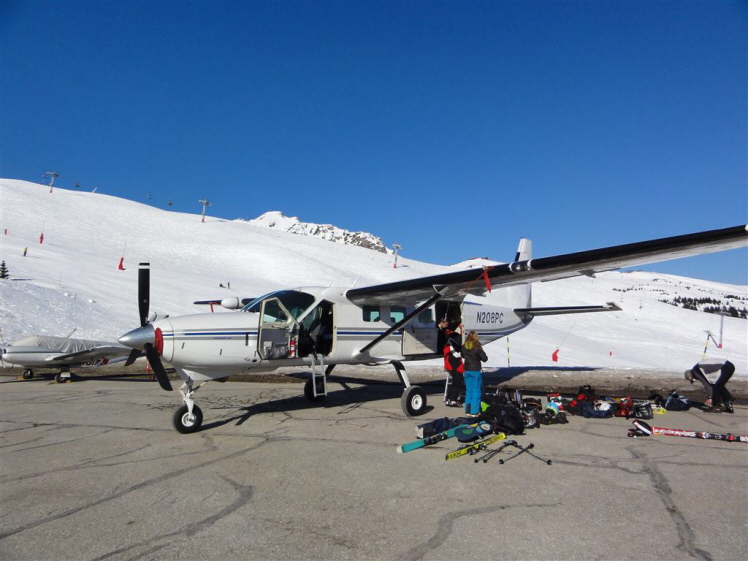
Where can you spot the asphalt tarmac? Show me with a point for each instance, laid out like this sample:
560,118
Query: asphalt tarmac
93,470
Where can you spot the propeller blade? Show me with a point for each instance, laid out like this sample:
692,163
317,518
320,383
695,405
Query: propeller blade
134,354
144,291
157,366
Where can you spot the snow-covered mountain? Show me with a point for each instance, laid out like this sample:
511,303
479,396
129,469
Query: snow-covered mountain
279,221
71,281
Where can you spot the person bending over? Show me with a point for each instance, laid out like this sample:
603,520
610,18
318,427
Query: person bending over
714,377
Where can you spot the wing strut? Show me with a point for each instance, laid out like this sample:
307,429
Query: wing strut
402,322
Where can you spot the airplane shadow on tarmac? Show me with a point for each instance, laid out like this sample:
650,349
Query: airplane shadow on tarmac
356,391
505,374
350,396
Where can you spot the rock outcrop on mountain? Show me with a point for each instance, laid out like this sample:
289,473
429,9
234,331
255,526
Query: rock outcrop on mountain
278,221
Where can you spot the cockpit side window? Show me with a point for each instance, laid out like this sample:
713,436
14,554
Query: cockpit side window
272,312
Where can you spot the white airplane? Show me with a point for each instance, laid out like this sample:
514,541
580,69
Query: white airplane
61,354
320,327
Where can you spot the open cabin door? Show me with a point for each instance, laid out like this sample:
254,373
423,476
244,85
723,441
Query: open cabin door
318,330
276,331
282,317
420,335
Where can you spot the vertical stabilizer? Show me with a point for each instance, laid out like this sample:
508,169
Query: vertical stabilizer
521,296
524,250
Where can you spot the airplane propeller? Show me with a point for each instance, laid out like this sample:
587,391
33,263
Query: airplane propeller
144,337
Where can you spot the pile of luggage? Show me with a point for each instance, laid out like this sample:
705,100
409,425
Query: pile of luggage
507,411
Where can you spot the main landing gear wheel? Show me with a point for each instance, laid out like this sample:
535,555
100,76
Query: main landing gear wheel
309,392
413,401
28,374
186,423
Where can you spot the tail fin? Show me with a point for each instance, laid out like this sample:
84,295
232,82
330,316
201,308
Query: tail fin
521,296
524,250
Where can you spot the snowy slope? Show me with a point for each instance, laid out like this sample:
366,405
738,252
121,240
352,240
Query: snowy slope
71,281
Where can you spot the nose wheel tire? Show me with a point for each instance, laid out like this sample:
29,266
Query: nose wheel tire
413,401
28,374
186,423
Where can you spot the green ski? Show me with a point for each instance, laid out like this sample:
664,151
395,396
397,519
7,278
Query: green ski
475,446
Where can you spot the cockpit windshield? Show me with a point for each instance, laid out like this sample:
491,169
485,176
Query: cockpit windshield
294,301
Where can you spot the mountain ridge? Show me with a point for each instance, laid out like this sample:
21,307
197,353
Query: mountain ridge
276,220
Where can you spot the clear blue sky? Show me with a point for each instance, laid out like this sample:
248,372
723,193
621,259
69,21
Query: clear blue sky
452,128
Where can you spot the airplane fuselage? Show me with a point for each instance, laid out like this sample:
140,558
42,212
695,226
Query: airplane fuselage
37,357
316,325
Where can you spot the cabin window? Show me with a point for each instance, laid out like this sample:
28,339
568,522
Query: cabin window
426,317
371,313
397,313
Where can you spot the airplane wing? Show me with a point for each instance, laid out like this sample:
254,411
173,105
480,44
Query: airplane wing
92,353
477,281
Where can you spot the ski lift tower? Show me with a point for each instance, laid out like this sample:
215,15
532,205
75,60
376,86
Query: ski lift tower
397,247
52,176
205,204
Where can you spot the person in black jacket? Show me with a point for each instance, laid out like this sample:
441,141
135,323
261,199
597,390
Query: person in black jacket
455,370
473,354
714,377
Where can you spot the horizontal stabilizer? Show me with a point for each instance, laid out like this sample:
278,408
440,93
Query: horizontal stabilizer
559,310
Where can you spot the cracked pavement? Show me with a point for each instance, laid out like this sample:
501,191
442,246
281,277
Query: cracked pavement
93,470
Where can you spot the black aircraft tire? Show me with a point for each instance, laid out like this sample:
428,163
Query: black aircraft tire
28,374
182,422
309,392
413,401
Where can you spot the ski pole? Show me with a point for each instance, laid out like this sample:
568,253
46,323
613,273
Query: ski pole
527,449
492,453
549,462
522,451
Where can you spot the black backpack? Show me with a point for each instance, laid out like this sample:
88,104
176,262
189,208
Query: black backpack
675,402
504,418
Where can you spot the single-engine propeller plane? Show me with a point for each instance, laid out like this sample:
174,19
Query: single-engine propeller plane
61,354
391,323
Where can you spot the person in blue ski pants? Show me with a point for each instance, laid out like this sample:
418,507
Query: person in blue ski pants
473,354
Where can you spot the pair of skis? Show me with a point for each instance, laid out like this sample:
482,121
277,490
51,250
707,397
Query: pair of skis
644,429
475,447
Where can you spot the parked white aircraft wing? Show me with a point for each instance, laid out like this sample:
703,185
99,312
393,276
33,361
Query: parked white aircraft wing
476,281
